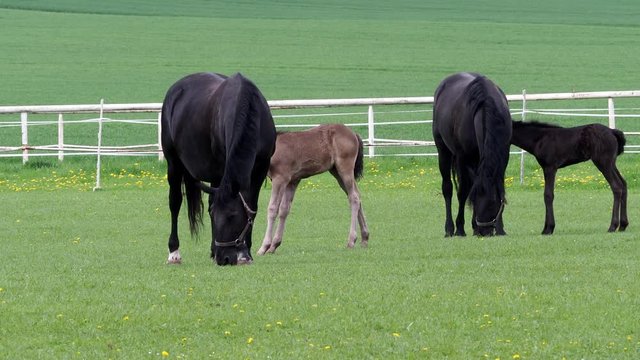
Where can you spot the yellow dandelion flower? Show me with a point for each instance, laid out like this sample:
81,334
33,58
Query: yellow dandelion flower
395,334
165,353
516,356
125,318
250,340
227,333
327,347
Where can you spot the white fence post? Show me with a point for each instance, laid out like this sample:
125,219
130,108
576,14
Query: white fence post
612,114
522,152
99,161
160,154
60,137
370,123
25,137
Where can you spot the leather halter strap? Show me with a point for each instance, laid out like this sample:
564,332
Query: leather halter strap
492,222
239,241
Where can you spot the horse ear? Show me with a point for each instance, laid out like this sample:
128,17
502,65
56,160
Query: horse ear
206,188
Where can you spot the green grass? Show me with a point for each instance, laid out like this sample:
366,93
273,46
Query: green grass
76,286
76,57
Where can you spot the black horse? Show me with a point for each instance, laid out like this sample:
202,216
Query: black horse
556,147
472,131
217,129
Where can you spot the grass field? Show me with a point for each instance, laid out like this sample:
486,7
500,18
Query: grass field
84,274
84,278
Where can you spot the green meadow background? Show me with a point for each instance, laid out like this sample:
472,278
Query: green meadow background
84,276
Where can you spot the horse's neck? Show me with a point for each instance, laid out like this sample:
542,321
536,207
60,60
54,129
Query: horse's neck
526,137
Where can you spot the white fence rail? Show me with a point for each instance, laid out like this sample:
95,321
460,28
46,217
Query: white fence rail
153,147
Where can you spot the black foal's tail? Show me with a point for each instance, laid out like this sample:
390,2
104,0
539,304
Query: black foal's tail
194,204
359,166
621,140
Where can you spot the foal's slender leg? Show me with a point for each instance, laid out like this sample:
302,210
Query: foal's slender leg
444,163
617,187
277,191
283,212
624,221
347,182
174,177
362,221
549,183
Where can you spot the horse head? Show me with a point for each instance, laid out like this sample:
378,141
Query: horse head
232,222
488,202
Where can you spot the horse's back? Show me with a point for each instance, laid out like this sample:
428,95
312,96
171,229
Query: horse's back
187,101
204,114
310,152
458,101
449,111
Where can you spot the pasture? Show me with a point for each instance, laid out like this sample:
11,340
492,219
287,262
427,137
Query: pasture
84,273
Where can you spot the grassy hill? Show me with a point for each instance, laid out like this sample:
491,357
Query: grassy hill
81,51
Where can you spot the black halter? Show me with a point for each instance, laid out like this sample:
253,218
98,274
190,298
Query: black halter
239,241
492,222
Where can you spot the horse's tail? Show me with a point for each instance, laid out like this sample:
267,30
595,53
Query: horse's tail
454,171
621,140
359,166
194,203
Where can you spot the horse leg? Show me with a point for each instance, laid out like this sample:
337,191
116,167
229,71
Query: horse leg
444,163
277,191
549,183
464,187
500,226
174,177
624,220
347,183
283,212
258,177
362,221
617,188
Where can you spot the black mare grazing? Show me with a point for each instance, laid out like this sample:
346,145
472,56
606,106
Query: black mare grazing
472,131
217,129
556,147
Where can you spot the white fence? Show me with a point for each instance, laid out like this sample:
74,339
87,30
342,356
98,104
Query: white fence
62,149
18,117
368,121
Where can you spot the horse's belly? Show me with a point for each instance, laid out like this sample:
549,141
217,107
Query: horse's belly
205,168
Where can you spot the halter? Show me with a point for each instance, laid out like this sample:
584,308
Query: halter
240,239
492,222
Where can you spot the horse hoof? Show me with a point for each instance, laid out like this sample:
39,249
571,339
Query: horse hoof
174,258
245,261
364,244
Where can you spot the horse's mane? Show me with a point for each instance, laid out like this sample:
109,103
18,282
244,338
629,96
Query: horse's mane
245,132
497,129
